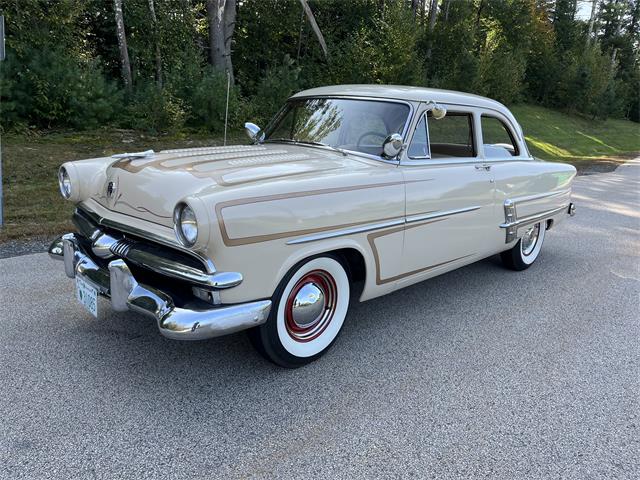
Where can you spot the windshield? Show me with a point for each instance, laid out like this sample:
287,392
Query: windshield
357,125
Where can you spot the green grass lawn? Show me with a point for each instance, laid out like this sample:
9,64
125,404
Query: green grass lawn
556,136
33,206
32,202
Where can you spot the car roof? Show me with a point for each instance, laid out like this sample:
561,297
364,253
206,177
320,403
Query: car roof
402,92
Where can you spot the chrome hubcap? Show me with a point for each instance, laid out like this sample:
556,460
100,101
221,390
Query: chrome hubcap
308,305
530,239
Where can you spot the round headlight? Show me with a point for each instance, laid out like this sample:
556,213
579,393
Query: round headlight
64,182
186,225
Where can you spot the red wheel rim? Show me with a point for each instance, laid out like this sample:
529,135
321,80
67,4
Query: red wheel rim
324,283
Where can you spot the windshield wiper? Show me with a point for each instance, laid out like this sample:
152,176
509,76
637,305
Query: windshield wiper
307,142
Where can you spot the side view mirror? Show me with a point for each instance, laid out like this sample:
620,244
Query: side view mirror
438,112
252,131
392,146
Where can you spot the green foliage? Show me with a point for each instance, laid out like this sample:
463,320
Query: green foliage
63,68
384,52
153,109
276,86
47,88
208,99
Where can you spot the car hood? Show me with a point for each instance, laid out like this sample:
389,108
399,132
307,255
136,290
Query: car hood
150,187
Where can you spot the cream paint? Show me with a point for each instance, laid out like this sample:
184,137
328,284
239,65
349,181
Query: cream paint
251,200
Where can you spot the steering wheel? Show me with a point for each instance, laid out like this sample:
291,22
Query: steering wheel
371,133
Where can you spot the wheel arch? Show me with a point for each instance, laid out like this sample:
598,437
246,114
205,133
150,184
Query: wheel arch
356,258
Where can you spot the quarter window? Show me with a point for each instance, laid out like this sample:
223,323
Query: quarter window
497,138
419,147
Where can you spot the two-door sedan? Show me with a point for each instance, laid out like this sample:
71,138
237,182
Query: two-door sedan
350,190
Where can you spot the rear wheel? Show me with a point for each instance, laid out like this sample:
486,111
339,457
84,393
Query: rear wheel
522,255
309,308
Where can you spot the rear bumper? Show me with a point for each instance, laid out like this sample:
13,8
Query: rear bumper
126,293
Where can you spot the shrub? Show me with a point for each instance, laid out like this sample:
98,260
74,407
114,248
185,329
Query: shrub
278,84
153,109
45,88
207,100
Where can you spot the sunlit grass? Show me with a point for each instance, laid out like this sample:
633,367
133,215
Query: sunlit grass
553,135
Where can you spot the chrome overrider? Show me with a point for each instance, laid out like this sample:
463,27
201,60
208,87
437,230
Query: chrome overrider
512,222
126,293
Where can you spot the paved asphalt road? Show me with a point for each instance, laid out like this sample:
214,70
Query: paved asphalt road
482,372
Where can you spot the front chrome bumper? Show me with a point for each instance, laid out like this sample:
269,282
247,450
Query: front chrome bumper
126,293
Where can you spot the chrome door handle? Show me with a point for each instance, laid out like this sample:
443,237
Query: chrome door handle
483,167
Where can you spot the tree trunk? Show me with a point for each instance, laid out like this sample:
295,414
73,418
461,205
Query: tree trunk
433,13
222,21
122,44
314,26
592,20
156,39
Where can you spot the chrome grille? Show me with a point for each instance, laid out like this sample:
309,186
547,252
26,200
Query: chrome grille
121,247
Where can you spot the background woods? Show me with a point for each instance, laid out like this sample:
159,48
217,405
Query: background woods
162,65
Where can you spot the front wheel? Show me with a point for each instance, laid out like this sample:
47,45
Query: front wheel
522,255
309,308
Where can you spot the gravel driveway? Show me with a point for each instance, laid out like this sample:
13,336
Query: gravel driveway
482,372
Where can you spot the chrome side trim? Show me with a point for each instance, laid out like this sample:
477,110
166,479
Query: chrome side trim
377,226
439,214
346,231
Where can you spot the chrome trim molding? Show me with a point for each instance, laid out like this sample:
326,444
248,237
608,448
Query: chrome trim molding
377,226
178,323
439,214
512,222
346,231
173,269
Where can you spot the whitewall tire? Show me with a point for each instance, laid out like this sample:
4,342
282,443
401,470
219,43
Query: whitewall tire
522,255
308,311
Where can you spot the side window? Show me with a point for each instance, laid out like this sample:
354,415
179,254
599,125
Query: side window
497,138
451,136
419,147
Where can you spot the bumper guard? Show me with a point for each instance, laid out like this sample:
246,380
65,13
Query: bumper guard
178,323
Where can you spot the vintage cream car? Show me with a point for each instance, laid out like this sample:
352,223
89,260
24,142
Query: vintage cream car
350,190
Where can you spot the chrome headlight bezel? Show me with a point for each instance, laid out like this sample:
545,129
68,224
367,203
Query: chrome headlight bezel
188,238
64,183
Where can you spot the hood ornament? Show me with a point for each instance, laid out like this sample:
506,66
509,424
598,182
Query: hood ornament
145,154
111,189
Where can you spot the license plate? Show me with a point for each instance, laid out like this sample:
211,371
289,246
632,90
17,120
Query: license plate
87,295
